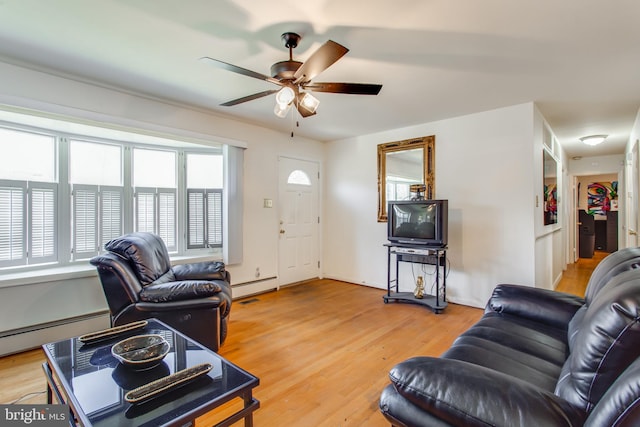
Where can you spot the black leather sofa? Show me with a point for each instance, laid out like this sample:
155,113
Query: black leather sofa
139,283
535,358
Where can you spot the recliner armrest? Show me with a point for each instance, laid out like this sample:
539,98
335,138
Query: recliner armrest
207,270
179,291
463,394
541,305
188,304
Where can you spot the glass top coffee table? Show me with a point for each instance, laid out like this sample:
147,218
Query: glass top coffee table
84,374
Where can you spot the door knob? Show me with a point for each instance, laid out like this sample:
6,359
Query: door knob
281,231
633,232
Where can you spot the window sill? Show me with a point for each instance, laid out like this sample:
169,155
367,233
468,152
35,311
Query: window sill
77,271
52,274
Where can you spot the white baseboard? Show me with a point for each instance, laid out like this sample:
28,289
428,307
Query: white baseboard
26,339
242,290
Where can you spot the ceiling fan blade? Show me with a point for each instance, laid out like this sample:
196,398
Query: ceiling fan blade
320,60
249,98
349,88
239,70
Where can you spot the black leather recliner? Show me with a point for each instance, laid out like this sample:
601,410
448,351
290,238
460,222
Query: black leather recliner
536,358
139,283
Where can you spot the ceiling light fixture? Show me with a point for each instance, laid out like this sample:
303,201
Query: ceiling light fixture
593,139
285,96
281,110
309,102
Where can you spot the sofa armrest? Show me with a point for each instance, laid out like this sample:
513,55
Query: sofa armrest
463,394
541,305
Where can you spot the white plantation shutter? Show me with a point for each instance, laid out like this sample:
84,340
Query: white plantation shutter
111,215
43,219
27,222
12,223
156,213
214,218
167,217
195,218
145,209
85,221
204,218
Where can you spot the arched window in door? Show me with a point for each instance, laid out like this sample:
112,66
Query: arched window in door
298,177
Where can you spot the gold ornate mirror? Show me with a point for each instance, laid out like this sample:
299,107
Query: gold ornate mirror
402,164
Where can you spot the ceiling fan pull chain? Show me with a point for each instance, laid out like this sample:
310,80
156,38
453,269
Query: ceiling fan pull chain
293,115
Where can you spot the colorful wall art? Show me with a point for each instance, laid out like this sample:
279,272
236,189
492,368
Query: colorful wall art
602,197
550,204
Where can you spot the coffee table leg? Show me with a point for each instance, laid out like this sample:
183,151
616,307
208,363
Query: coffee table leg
248,401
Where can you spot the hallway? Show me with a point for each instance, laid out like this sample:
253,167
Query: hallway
576,276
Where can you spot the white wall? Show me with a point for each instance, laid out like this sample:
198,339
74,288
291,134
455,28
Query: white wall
23,305
632,187
484,167
550,240
596,165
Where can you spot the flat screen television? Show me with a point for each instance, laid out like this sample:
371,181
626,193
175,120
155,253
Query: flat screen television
418,222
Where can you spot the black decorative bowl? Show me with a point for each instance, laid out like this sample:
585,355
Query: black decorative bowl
141,351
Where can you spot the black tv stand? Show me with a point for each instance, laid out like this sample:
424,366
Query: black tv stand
418,254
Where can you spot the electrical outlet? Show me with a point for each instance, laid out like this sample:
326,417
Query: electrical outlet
257,272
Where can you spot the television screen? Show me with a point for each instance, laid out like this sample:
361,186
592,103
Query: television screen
420,222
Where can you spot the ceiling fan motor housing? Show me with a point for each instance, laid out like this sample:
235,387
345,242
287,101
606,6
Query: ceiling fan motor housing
284,70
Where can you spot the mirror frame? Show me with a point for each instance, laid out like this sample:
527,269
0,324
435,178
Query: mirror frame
428,145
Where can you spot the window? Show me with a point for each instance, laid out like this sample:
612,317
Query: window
28,195
95,175
154,180
63,195
204,200
27,156
298,177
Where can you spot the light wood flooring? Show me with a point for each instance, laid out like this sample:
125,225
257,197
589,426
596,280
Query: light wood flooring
322,350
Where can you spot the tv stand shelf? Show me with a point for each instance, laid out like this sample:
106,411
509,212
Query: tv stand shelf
417,254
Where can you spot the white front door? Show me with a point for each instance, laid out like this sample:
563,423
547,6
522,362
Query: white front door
299,221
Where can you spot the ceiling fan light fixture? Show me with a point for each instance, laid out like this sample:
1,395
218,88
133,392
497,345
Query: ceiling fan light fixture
309,102
281,110
285,96
593,139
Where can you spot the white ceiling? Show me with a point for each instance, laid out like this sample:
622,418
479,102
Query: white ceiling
578,60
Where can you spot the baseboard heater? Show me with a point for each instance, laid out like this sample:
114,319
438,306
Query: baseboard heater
254,287
253,282
33,336
53,324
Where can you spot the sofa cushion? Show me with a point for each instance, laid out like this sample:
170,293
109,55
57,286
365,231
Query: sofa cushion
620,405
465,394
614,264
606,342
147,254
525,349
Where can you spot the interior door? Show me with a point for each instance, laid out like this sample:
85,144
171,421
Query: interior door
299,221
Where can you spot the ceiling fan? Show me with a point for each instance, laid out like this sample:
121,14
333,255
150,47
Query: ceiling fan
295,78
